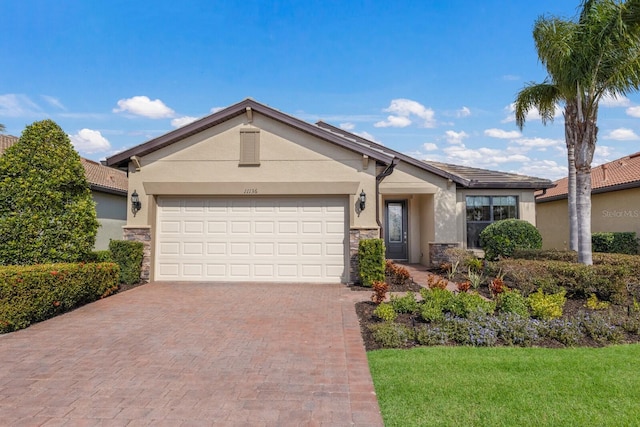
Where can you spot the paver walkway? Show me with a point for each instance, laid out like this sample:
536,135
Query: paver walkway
194,354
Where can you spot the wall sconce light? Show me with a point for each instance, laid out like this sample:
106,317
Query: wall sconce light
136,205
363,200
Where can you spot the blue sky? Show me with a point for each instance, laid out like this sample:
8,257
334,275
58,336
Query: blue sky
433,79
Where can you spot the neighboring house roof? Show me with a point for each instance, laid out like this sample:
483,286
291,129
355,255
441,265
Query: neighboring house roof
617,175
100,177
462,176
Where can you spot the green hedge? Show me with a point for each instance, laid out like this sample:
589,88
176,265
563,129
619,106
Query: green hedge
371,260
615,242
632,262
608,281
128,255
34,293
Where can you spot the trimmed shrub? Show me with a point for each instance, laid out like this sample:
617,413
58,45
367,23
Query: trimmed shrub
405,304
128,255
371,260
30,294
47,214
392,335
547,306
501,238
615,242
384,311
512,301
608,281
467,304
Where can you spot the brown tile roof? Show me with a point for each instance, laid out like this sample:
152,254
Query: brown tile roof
616,175
491,179
100,177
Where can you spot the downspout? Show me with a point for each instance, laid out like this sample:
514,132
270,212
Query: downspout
385,173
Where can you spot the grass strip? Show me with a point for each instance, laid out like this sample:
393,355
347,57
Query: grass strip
506,386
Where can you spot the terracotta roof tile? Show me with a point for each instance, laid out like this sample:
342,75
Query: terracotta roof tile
615,175
98,175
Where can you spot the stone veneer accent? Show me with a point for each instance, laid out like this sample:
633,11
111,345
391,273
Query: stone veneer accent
141,234
355,235
437,254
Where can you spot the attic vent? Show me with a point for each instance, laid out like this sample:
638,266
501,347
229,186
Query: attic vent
249,147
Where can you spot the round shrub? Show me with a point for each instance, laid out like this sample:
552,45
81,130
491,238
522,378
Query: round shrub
385,312
502,238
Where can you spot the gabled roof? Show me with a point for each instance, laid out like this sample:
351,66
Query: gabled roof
462,176
100,177
617,175
243,107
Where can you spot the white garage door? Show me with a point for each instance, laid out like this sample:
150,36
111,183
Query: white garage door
251,239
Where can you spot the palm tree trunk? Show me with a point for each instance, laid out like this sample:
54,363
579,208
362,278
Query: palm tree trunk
584,150
583,214
570,134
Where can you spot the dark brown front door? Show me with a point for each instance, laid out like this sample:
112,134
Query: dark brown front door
395,236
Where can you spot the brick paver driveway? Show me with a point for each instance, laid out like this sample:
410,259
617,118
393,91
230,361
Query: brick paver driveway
194,354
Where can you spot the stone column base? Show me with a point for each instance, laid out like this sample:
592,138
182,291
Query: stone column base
437,254
141,234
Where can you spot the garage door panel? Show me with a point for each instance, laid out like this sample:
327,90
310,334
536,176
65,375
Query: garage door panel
262,239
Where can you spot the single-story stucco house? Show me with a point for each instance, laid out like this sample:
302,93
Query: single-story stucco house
109,192
615,203
252,194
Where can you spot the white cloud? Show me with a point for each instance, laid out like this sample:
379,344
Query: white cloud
482,157
502,134
216,109
18,105
463,112
143,106
454,137
367,135
182,121
394,122
548,169
531,115
539,142
622,134
347,126
90,141
54,102
633,111
429,146
608,100
402,109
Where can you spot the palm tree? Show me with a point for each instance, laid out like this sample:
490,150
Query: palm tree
2,128
596,56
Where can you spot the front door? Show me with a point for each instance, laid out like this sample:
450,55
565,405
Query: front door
395,237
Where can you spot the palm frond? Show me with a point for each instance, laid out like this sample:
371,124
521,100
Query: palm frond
543,97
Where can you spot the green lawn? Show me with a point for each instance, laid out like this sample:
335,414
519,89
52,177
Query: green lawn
505,386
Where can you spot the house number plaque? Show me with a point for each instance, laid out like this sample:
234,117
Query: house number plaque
250,191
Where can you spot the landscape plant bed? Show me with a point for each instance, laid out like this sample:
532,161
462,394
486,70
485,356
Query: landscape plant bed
573,311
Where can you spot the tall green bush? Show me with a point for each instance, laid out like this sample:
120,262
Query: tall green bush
615,242
128,255
47,214
371,261
502,238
